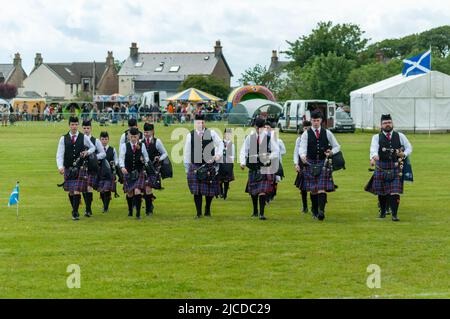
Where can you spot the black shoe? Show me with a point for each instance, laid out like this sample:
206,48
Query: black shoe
198,217
262,217
255,215
305,210
130,214
382,216
74,216
321,215
138,217
395,219
86,214
207,214
105,211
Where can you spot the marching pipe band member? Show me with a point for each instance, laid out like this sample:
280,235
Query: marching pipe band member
259,153
72,147
203,148
157,154
125,137
299,168
387,151
92,167
106,186
316,147
132,159
226,167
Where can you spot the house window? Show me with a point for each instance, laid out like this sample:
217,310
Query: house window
138,64
86,85
174,68
159,69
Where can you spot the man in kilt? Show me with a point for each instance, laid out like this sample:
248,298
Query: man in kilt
93,167
299,168
202,150
107,185
226,166
270,128
156,153
132,160
260,154
72,148
318,144
125,137
387,151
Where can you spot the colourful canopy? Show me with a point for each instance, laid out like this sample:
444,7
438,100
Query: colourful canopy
193,95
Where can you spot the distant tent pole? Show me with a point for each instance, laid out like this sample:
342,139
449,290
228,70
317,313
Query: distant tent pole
429,100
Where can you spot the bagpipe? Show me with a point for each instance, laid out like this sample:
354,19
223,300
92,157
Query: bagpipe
153,169
74,170
207,172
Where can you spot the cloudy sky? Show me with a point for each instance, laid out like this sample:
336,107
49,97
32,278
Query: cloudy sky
84,30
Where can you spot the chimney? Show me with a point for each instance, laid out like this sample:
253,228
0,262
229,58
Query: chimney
17,60
134,51
110,59
274,56
217,49
38,60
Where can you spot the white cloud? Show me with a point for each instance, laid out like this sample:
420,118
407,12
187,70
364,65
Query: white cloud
83,30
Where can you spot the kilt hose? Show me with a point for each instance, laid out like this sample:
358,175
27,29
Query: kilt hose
314,184
198,187
260,183
78,184
129,186
378,185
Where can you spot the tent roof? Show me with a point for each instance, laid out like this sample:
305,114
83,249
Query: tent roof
253,105
398,85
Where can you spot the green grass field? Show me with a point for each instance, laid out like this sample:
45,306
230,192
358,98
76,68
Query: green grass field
231,255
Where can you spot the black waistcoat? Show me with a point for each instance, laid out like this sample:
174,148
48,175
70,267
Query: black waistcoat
252,148
227,152
393,144
207,139
151,148
93,140
317,147
110,154
72,151
133,160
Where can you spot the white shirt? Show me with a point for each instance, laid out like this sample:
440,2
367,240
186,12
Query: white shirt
303,149
296,150
99,148
159,146
123,150
233,151
116,158
218,147
375,144
281,150
61,148
246,147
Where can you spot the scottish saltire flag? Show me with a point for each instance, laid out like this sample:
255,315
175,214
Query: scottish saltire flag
14,198
418,64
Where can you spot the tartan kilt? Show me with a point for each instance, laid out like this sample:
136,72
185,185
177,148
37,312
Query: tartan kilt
380,186
153,181
323,182
138,184
226,172
107,185
92,180
266,185
198,187
79,184
300,180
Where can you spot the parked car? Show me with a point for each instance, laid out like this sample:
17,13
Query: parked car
344,122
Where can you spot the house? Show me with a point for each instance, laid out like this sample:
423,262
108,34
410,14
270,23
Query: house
278,66
13,73
165,71
69,80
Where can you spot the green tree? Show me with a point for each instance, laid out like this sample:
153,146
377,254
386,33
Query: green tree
259,75
209,84
343,39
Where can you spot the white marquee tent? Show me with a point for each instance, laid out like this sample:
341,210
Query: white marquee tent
420,102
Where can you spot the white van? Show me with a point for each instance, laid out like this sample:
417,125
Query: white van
296,111
157,98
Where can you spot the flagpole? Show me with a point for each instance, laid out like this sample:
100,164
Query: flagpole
17,208
429,101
